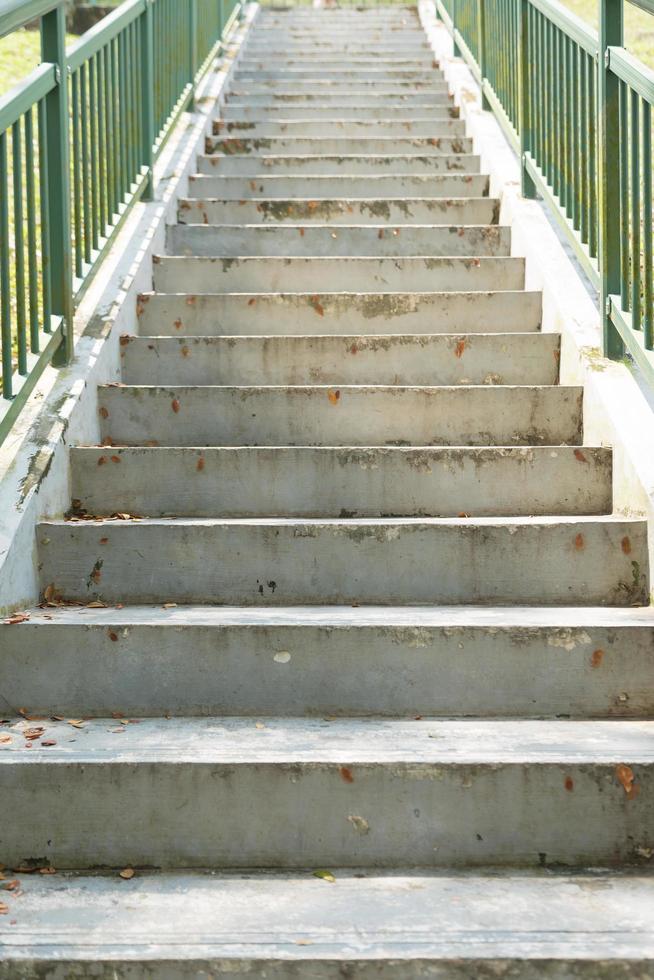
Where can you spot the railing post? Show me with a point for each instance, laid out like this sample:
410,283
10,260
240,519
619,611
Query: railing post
481,45
147,98
57,177
611,33
525,122
193,47
457,49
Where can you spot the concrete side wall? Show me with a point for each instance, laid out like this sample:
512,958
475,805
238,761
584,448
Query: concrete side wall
618,408
34,466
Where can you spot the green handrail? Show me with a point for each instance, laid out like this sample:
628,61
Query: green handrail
78,141
578,108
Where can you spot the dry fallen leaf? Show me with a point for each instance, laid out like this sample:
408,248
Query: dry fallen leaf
76,722
127,873
5,739
3,908
32,733
11,886
324,875
47,871
17,618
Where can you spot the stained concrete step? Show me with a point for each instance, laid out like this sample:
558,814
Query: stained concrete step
399,359
196,274
351,164
285,46
183,792
304,661
339,146
347,240
341,482
211,314
354,64
281,561
334,126
368,186
356,415
356,111
335,89
180,926
337,211
374,96
316,75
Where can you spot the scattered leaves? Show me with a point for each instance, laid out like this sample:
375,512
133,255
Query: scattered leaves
17,618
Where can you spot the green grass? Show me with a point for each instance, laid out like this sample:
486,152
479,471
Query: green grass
20,53
639,27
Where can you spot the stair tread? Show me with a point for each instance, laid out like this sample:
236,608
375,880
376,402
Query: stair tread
356,741
351,617
366,915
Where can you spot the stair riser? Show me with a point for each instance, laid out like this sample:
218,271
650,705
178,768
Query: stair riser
336,483
373,97
424,128
197,275
344,74
521,359
344,416
391,671
287,47
370,187
278,564
192,814
448,211
382,314
354,111
335,90
271,240
256,165
333,63
339,146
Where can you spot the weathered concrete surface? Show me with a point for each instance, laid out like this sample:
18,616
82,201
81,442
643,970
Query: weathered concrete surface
400,359
192,314
251,165
447,926
194,274
349,240
354,111
339,145
338,211
338,482
330,660
373,186
303,793
279,561
351,415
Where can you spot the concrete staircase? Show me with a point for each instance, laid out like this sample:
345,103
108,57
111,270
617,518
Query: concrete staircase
340,618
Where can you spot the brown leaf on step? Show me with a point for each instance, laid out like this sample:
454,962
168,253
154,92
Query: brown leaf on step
580,456
112,636
460,347
305,942
104,540
11,886
16,619
169,605
252,301
48,742
380,233
5,739
3,908
626,778
117,731
200,464
103,412
334,396
47,871
175,405
96,604
76,722
127,873
32,733
346,774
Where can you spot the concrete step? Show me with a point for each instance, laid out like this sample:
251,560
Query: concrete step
275,274
438,93
400,359
281,561
180,793
184,925
286,46
350,164
351,75
210,314
357,415
422,128
424,62
316,146
346,240
340,211
339,482
304,661
368,186
355,110
335,89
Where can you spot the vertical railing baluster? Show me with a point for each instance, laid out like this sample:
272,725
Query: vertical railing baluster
19,249
648,258
147,99
32,263
5,296
524,104
634,244
53,49
611,33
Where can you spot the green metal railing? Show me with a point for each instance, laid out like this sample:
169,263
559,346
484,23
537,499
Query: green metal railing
78,142
578,108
